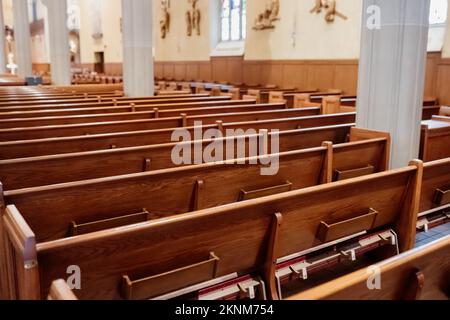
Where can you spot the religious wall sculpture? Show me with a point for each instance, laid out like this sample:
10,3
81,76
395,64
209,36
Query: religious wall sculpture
164,23
266,19
330,10
193,17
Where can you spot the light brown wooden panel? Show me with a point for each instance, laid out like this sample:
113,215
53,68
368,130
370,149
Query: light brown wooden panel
219,69
275,73
234,74
205,72
180,71
192,71
159,70
321,76
169,71
295,75
431,74
346,78
443,79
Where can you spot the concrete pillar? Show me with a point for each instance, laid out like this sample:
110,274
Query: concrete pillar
138,47
59,42
392,72
3,58
22,38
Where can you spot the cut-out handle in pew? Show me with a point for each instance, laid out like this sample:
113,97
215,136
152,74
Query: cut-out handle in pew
85,228
340,175
442,196
330,232
163,283
265,192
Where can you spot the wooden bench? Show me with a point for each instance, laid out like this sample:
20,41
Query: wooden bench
435,195
120,139
89,103
54,96
421,274
435,139
147,121
248,240
165,110
367,152
444,111
430,111
59,123
85,88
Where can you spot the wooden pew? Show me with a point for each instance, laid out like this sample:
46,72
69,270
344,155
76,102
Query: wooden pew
40,147
430,101
331,104
164,110
312,167
148,121
435,139
420,274
59,123
303,101
87,88
430,111
56,96
367,152
265,93
89,103
444,111
61,291
247,240
435,195
315,97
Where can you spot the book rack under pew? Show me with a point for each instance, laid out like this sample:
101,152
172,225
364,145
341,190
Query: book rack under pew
420,274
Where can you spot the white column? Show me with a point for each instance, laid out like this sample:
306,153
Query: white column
3,59
138,47
22,38
392,72
59,42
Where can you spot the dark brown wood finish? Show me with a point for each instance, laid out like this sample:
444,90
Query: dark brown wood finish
32,148
242,246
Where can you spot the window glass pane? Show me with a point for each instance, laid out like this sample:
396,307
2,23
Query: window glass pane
225,29
244,18
438,11
226,8
225,23
235,21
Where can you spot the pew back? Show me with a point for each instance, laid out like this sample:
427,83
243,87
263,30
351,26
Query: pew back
246,238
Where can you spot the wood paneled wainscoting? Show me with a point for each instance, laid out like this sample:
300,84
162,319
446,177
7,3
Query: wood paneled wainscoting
438,78
321,74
